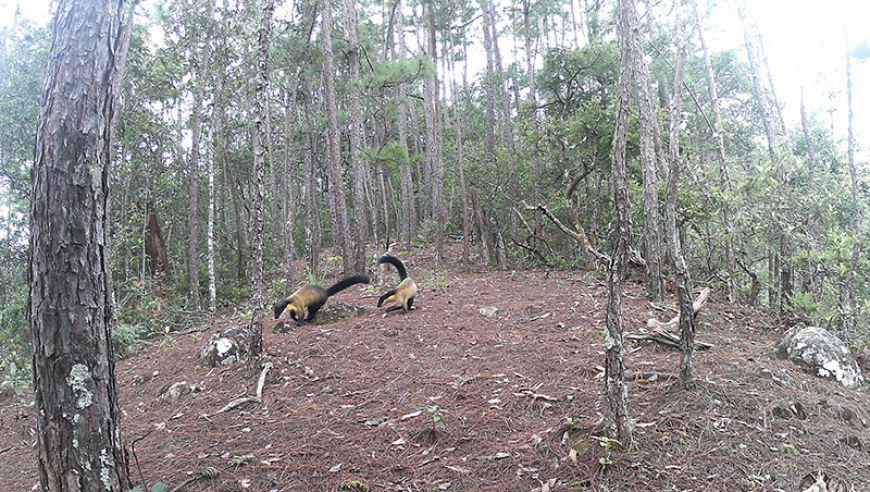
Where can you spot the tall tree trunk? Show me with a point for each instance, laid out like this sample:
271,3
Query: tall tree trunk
780,121
507,139
276,215
433,138
407,229
210,250
774,141
681,268
489,155
289,194
357,259
653,27
807,281
337,204
533,103
193,169
616,416
848,302
460,164
724,180
648,159
312,219
258,144
71,311
811,144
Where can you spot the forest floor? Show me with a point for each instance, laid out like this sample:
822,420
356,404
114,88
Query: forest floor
447,398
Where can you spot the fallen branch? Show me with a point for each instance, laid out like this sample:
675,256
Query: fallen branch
675,321
666,338
248,399
661,332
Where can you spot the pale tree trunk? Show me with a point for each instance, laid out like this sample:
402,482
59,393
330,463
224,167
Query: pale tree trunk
774,141
407,229
276,215
616,416
357,247
337,204
258,143
289,194
489,88
312,219
761,95
848,302
785,267
807,282
811,144
533,103
488,237
210,253
506,129
433,156
460,164
648,159
724,180
681,268
212,280
653,27
193,169
781,128
78,437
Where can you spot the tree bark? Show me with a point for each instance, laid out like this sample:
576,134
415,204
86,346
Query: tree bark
648,160
533,105
289,194
615,390
847,286
460,164
312,219
193,168
433,140
79,445
258,144
407,229
357,259
155,249
337,204
681,268
507,138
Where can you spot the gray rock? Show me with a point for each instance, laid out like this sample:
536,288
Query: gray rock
820,352
223,348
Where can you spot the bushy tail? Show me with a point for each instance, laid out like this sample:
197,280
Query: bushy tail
340,286
400,267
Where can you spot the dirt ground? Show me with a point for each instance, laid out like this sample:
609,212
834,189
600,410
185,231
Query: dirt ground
455,396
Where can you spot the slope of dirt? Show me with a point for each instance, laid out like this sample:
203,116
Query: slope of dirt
518,396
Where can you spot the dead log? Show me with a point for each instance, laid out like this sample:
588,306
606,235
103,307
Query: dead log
675,321
661,332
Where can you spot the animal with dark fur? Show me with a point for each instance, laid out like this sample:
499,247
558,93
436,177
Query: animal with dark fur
313,297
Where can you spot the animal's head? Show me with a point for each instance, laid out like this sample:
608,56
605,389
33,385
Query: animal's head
279,306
